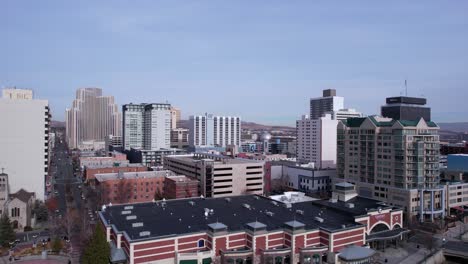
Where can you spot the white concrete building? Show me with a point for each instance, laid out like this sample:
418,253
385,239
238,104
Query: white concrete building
147,126
344,114
132,127
316,133
301,177
214,131
316,141
24,141
91,117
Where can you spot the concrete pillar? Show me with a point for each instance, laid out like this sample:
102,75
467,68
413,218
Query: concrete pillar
108,229
443,202
119,239
421,206
432,205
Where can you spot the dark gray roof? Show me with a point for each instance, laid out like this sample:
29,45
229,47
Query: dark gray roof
176,217
362,205
22,195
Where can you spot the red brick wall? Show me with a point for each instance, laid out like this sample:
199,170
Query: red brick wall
299,243
260,245
380,217
220,245
123,191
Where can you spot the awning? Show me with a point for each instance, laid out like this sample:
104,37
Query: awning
386,235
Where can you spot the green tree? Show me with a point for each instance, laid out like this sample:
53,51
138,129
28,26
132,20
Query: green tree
98,250
7,234
57,245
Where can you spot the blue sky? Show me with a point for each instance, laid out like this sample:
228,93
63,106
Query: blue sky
261,60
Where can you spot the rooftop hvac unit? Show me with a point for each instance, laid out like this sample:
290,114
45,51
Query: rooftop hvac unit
350,205
140,224
129,207
131,217
126,212
269,213
301,212
318,219
246,206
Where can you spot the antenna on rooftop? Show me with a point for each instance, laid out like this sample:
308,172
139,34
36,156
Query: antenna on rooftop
406,87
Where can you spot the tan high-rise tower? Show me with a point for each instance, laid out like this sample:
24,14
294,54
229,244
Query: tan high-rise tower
92,117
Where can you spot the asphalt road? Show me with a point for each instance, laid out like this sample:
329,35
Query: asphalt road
62,169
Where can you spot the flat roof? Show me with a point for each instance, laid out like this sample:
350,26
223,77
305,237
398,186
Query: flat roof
186,216
101,177
361,205
218,159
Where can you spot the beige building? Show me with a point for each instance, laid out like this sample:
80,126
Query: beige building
179,138
19,208
18,94
91,117
175,117
219,175
395,161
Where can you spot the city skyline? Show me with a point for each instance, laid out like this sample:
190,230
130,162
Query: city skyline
197,55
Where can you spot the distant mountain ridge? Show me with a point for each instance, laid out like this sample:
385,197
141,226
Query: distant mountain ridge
459,127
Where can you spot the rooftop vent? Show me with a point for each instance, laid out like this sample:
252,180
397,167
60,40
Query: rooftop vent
145,233
350,205
318,219
275,203
192,203
287,205
246,206
131,217
343,226
130,207
333,200
269,213
126,212
256,197
228,199
301,212
139,224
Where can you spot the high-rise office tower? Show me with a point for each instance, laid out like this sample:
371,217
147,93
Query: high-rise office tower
396,161
24,140
328,103
91,117
406,108
146,126
175,117
214,131
316,134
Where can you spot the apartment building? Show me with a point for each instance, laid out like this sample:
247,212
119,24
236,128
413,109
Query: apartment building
220,176
395,161
179,138
214,131
146,126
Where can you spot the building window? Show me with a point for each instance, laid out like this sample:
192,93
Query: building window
201,243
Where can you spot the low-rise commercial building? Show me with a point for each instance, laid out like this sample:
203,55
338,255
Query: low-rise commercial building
91,171
176,187
137,187
219,175
304,178
251,229
115,158
151,158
